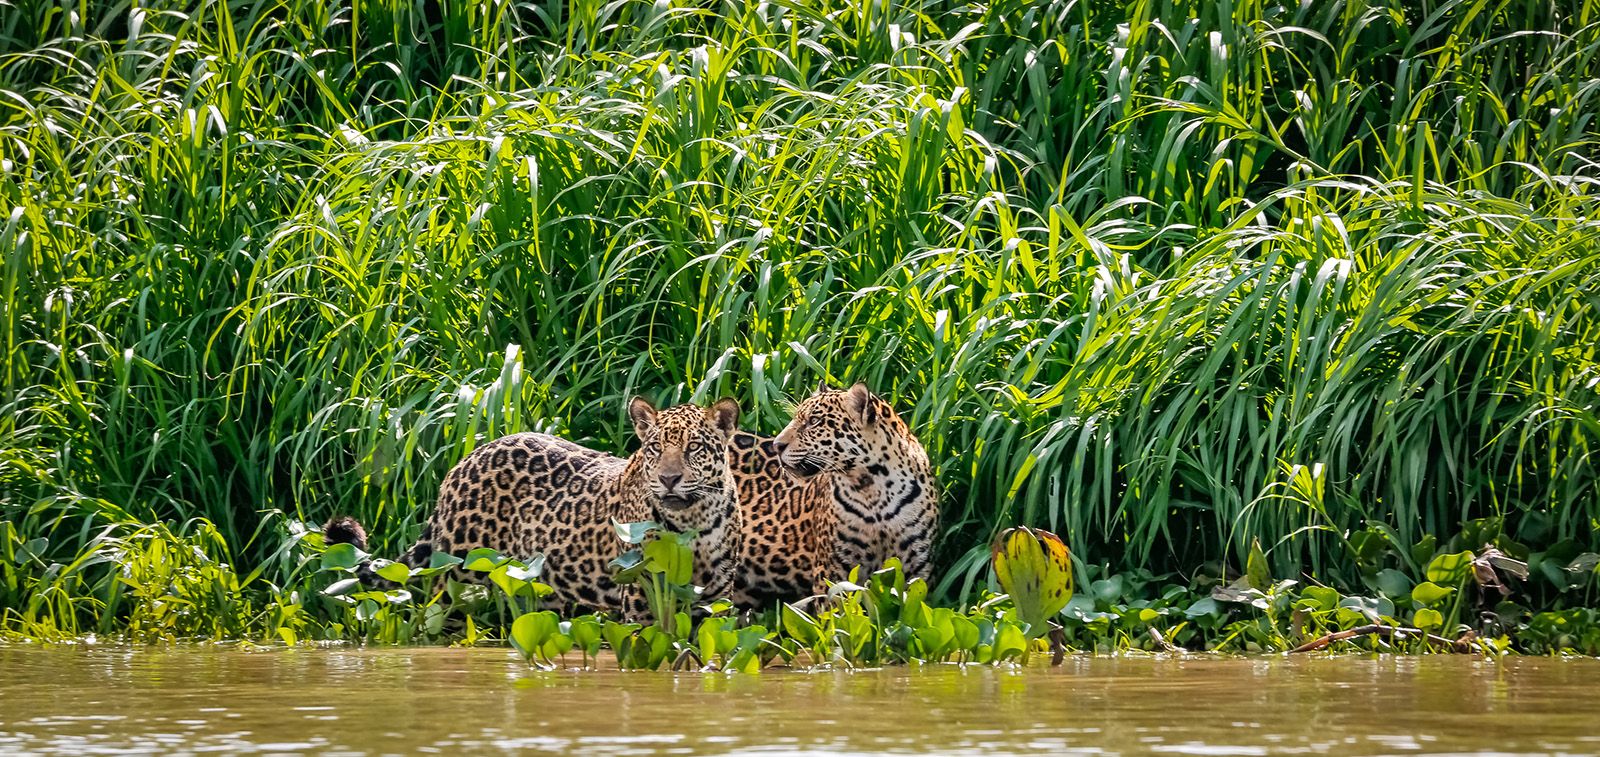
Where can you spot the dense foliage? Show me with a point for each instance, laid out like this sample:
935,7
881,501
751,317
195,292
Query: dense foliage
1168,278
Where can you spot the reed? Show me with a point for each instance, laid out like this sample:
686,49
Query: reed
1162,277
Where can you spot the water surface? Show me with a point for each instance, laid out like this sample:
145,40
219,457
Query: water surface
83,700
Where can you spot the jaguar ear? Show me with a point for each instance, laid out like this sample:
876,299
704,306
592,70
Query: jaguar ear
724,415
643,415
861,402
822,385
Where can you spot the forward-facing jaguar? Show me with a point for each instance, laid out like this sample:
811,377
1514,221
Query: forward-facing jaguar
534,493
846,483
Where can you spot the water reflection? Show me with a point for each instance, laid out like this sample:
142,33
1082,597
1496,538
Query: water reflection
114,700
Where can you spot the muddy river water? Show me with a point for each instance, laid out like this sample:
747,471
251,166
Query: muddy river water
101,699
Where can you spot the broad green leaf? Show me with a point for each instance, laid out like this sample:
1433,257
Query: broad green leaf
634,533
1107,591
1428,593
1393,583
443,560
585,632
343,557
530,631
1427,619
1322,597
484,560
965,631
1035,569
1010,642
1422,551
1256,571
341,588
397,572
1203,607
671,558
628,566
501,576
800,625
1450,569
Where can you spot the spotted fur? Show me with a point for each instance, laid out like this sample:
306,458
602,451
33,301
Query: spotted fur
846,483
528,494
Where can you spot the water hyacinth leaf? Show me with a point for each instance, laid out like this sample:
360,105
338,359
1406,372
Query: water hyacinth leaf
1393,583
1450,569
914,607
443,560
1428,593
657,646
1256,571
501,576
1107,591
433,619
707,637
530,631
483,560
634,533
1422,552
1010,642
889,577
397,596
367,610
397,572
585,631
1081,607
1252,597
965,632
1427,619
628,566
1319,597
343,557
1373,609
671,558
557,645
1203,607
934,639
800,625
616,633
342,587
837,589
745,661
1035,570
526,571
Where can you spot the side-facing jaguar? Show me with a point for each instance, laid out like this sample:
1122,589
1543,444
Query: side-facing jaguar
846,483
527,494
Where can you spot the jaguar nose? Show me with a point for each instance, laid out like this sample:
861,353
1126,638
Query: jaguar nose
670,480
779,446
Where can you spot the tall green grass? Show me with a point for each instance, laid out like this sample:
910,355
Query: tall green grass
1164,277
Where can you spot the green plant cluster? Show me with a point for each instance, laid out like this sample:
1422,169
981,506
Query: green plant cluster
154,586
1168,277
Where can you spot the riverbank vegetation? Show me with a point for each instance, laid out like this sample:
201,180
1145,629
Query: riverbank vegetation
1184,282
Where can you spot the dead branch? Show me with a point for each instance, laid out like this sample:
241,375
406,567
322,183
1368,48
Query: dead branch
1462,645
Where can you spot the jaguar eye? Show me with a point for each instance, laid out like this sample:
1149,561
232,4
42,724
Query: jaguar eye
696,448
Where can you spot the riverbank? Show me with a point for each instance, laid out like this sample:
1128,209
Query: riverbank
1036,602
